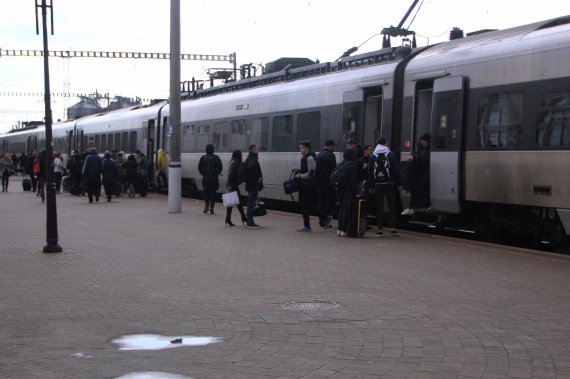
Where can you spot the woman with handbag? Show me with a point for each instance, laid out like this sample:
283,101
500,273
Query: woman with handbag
233,185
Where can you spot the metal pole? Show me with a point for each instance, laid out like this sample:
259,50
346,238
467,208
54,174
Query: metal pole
51,208
175,167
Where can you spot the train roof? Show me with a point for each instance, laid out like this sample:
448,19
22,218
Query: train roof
383,56
478,41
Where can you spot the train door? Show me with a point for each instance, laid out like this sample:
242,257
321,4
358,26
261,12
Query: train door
372,129
32,142
70,139
445,158
150,147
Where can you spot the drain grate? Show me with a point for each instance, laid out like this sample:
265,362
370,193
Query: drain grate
310,306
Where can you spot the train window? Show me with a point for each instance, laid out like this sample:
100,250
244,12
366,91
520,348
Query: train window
282,133
202,137
98,142
351,124
103,143
220,136
125,142
553,127
133,141
90,141
258,133
309,127
110,142
499,120
238,135
118,142
187,138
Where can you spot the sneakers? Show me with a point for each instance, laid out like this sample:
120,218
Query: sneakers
304,229
343,234
407,212
379,233
253,226
338,232
394,233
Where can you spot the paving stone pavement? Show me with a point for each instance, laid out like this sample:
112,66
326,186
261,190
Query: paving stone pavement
414,306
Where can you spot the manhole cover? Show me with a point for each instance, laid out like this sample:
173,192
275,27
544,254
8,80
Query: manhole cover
310,306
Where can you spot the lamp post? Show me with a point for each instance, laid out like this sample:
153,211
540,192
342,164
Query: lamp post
175,167
51,209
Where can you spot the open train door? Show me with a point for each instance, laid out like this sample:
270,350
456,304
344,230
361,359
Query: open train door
445,158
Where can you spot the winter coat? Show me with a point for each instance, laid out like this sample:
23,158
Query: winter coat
252,173
210,167
233,174
92,168
109,171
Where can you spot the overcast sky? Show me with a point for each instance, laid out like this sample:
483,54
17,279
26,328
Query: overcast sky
259,31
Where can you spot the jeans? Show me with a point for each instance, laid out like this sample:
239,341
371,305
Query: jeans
388,191
58,176
251,200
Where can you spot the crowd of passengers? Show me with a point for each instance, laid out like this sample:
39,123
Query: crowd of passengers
84,173
367,172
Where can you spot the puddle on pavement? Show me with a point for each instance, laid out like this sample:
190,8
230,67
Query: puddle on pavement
81,355
153,375
158,342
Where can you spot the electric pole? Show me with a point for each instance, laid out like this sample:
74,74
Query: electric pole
174,129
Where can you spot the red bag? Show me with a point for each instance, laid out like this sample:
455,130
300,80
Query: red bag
36,167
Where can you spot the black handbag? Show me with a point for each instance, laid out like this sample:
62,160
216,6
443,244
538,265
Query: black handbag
291,186
259,209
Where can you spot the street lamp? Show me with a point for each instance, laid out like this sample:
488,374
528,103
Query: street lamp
51,209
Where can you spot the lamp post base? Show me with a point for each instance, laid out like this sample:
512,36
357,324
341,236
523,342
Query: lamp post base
52,248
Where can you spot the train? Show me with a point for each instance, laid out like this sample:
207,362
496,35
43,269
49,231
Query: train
496,103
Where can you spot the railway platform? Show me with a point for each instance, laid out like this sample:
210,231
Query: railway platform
138,292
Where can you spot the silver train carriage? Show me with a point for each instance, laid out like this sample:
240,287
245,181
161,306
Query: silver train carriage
497,105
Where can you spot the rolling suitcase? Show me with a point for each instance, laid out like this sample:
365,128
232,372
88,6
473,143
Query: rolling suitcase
27,184
356,218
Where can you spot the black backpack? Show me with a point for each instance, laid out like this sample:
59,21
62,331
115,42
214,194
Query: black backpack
210,167
339,176
382,168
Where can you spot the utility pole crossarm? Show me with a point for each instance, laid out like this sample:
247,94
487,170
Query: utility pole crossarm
113,54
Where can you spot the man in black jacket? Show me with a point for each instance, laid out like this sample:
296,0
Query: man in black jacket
250,173
307,173
210,167
326,163
92,170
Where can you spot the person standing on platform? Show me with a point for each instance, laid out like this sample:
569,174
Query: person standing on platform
92,169
131,168
326,163
307,175
419,180
30,169
5,170
109,175
142,174
250,173
383,172
161,180
210,167
57,171
75,167
347,189
233,185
